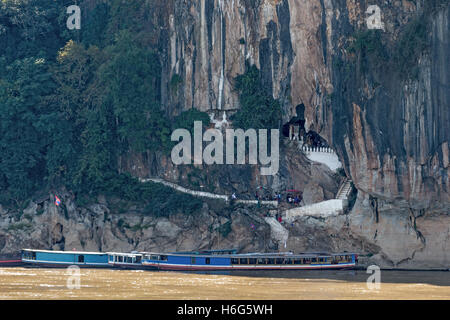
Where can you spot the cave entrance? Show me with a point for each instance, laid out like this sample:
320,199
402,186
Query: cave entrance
314,140
295,128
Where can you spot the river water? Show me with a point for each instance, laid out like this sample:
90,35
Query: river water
34,283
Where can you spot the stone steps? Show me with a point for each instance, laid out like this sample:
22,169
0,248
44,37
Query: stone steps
344,190
277,231
323,209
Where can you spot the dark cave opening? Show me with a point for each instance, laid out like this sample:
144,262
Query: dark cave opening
295,130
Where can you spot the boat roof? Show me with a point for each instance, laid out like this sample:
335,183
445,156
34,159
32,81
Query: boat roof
253,254
66,252
206,252
125,253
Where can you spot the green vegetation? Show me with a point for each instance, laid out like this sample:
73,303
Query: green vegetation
225,229
258,108
369,49
403,55
187,118
163,201
74,101
412,43
20,226
175,82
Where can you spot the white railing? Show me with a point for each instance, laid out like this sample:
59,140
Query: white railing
307,149
323,155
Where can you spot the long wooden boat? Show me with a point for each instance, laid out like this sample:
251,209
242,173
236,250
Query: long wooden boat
131,260
134,259
249,261
62,259
209,260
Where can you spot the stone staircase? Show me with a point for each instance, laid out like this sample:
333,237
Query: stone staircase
277,231
323,209
344,190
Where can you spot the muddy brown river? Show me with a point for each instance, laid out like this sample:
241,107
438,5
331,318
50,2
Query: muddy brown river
30,283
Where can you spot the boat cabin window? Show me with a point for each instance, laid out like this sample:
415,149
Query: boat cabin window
279,260
192,260
29,255
261,261
243,261
314,260
234,261
271,261
80,258
288,261
163,258
138,259
154,257
252,261
120,258
207,260
297,261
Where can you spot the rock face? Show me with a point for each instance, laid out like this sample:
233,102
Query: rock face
98,227
390,131
394,131
394,239
208,43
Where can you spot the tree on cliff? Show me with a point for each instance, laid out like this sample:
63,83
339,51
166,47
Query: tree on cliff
258,110
22,140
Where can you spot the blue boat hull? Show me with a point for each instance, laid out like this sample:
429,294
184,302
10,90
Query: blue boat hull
177,267
64,259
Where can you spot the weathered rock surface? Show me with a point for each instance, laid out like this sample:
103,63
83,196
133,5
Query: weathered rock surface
396,239
98,228
391,133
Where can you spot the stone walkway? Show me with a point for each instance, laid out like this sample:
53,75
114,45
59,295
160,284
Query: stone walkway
207,194
277,231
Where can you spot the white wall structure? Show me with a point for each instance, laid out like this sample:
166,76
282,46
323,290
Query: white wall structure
327,208
326,156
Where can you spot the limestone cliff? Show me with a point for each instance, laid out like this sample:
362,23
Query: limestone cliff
106,226
390,129
387,118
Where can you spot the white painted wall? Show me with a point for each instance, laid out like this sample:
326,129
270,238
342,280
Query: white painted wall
326,156
327,208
